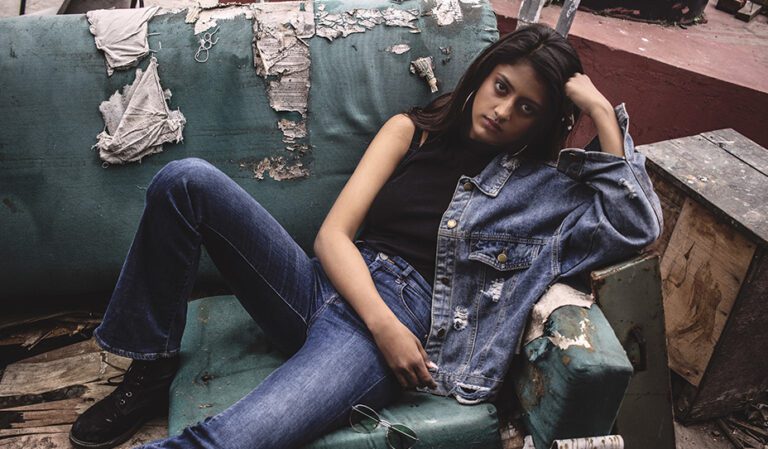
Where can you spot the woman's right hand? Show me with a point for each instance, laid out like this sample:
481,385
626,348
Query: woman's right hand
404,354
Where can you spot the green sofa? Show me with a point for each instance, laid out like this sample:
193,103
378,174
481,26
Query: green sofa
67,221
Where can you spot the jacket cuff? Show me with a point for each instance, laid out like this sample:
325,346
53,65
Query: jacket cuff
571,161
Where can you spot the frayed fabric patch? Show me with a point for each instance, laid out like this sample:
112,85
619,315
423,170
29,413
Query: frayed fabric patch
460,318
138,121
494,290
121,34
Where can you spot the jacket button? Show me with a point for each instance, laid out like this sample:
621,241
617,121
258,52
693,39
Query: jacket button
441,332
451,223
501,257
445,281
468,186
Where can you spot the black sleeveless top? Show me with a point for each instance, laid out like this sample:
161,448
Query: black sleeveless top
404,217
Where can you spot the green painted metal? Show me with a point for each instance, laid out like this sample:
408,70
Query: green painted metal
225,355
630,296
572,392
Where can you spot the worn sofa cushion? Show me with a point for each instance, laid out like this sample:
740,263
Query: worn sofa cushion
572,380
225,355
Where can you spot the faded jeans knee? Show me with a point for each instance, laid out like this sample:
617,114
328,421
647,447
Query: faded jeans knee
182,177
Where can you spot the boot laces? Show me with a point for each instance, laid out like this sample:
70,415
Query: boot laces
126,382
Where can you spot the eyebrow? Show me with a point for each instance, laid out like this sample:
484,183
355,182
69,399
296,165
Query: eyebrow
504,78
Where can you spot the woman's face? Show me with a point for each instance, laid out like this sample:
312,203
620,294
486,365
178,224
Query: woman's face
507,104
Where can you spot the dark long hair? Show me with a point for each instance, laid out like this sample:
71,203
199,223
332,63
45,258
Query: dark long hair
554,61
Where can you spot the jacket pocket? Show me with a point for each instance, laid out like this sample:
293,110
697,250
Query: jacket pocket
504,254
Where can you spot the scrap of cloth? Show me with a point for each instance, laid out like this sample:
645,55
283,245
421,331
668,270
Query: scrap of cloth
121,34
138,121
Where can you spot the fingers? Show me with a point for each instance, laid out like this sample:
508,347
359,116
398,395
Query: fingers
425,379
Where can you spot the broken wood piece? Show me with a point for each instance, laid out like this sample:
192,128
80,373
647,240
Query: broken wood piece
567,14
530,12
40,377
749,11
730,6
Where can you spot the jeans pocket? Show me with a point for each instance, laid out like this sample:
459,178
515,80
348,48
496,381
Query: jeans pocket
416,307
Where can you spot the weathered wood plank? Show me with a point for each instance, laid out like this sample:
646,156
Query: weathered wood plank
567,14
530,12
151,431
737,370
741,147
734,190
672,200
705,264
84,347
40,377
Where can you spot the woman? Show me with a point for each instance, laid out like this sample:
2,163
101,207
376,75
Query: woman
431,295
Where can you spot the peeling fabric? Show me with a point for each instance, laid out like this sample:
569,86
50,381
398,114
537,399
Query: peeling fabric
399,49
279,169
334,25
564,342
138,121
447,12
424,67
599,442
205,19
557,296
292,130
121,34
279,50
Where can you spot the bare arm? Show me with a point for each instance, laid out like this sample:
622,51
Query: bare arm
346,267
586,96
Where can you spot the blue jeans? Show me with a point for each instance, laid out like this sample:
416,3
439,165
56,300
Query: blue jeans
334,362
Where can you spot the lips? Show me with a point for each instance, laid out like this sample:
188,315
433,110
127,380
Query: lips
490,124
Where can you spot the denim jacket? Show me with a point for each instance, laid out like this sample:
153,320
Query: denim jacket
514,230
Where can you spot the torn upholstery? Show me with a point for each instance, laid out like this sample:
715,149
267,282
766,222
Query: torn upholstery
121,34
138,121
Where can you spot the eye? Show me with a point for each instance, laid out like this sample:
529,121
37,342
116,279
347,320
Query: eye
528,109
500,86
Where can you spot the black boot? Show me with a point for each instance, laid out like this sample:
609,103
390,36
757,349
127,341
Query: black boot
142,395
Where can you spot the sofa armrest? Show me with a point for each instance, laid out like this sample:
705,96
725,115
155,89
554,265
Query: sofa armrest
570,380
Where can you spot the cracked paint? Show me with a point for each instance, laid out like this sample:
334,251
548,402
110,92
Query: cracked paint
564,342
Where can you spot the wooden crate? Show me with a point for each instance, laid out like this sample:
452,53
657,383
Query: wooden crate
714,192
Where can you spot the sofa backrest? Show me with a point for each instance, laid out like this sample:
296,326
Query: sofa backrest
66,222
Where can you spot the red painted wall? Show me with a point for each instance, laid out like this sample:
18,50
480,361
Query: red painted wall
666,102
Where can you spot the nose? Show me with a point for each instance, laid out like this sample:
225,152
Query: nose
503,109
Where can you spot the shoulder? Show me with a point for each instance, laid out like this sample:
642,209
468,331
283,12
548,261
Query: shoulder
401,124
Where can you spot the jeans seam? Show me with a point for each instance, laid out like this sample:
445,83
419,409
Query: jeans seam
410,312
173,317
257,272
325,305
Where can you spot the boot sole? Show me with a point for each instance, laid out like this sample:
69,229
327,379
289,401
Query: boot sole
123,437
118,440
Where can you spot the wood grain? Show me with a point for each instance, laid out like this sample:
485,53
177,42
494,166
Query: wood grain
705,264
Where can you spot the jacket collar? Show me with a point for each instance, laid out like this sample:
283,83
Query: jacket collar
495,175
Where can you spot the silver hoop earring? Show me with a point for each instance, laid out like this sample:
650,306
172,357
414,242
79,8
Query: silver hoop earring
464,106
520,150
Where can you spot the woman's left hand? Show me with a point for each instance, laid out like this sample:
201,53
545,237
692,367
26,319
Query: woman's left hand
585,96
